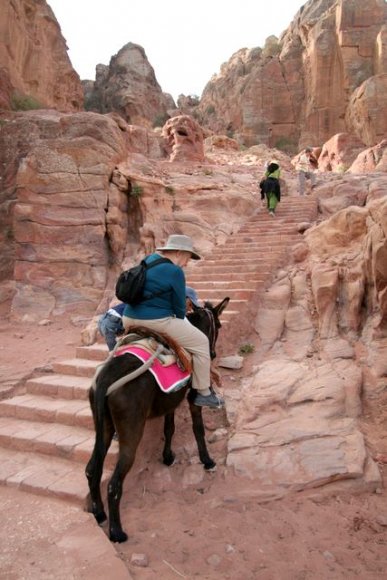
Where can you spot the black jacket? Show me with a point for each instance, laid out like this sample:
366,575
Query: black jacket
270,185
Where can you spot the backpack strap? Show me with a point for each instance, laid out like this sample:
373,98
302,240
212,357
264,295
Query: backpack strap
155,262
148,267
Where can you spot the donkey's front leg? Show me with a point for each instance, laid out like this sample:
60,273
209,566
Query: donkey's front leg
169,430
199,432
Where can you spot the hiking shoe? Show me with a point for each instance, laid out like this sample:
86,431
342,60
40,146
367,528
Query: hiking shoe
212,400
271,213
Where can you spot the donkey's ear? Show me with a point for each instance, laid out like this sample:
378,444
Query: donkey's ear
221,306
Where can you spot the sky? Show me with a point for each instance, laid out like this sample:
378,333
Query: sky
185,42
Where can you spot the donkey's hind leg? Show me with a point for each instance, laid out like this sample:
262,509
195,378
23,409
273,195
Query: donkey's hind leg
94,470
169,430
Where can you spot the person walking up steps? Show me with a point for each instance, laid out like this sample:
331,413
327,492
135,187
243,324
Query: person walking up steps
305,166
270,187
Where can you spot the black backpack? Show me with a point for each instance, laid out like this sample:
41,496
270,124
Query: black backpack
130,283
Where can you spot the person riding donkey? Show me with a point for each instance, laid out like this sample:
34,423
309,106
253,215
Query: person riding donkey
270,187
110,323
164,310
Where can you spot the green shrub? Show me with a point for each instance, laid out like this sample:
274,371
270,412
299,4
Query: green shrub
136,190
24,103
169,190
246,349
210,110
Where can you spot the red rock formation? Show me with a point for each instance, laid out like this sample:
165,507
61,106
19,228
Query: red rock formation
367,110
63,222
184,139
33,54
339,152
129,86
372,159
296,92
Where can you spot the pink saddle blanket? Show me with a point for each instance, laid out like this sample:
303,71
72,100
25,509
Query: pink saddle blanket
169,378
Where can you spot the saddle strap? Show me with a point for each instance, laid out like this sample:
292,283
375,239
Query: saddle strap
136,373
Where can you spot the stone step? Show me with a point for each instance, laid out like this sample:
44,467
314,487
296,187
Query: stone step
240,277
242,261
77,367
63,441
251,236
45,475
258,240
285,226
48,409
245,251
289,214
257,230
227,315
235,304
250,267
222,286
97,352
216,294
62,386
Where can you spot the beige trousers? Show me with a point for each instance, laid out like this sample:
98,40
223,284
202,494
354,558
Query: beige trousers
190,338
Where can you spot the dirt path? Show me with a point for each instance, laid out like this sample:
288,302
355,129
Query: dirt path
208,531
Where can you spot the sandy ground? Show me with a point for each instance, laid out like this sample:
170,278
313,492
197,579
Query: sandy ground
207,531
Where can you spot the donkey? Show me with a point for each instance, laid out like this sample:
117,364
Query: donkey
126,410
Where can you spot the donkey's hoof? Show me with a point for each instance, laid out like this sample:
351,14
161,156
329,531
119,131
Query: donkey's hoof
101,517
169,460
118,536
210,466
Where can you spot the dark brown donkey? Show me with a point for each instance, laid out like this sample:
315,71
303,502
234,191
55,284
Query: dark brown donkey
126,410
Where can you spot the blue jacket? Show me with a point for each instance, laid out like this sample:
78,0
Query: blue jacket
168,280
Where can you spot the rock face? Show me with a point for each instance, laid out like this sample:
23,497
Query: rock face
372,159
33,56
129,86
297,91
63,222
83,191
367,110
339,152
296,421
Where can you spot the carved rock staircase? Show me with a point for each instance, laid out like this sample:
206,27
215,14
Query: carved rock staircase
46,434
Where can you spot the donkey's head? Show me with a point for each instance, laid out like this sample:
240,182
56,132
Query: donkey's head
207,319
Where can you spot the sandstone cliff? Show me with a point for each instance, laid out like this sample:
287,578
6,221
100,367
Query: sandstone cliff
306,86
129,87
36,70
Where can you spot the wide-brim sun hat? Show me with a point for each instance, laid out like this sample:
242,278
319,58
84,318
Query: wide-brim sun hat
183,243
191,294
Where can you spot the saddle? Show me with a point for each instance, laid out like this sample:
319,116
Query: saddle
172,365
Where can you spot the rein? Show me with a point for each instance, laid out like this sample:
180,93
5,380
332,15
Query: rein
212,337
